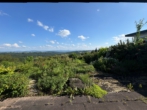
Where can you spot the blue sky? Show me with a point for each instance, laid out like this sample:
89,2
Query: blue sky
67,26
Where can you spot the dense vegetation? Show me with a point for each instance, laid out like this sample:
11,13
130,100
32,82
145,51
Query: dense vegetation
51,73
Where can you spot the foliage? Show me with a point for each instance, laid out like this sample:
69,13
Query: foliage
102,52
130,86
6,70
51,74
86,79
73,55
105,64
95,91
13,85
138,27
52,84
95,54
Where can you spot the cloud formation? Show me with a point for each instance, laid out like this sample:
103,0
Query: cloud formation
82,37
121,37
33,35
30,20
53,42
64,33
45,27
11,45
51,29
39,23
3,13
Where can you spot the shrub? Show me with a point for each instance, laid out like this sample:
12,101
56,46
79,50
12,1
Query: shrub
8,64
13,85
102,52
73,55
95,91
86,79
51,85
6,70
105,64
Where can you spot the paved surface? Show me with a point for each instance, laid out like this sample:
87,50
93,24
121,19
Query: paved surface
112,101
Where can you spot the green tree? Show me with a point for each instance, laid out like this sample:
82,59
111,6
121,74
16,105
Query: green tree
138,27
73,55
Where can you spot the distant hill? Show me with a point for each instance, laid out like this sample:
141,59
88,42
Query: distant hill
22,54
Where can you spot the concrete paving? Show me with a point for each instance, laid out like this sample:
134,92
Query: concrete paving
112,101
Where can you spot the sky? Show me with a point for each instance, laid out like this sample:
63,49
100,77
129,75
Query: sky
67,26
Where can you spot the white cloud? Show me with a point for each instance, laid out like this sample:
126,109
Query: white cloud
7,45
30,20
82,37
11,45
3,13
121,37
51,29
45,27
15,45
33,35
64,33
39,23
52,41
20,42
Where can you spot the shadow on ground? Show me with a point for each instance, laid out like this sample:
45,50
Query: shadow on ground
139,83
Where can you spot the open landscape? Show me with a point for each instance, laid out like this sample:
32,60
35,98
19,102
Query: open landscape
65,74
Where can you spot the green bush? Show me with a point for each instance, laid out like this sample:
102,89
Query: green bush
51,85
95,91
8,64
102,51
105,64
6,70
73,55
86,79
83,69
13,85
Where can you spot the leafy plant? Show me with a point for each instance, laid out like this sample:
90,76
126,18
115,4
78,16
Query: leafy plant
6,70
95,91
86,79
13,85
140,85
51,84
130,86
138,27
